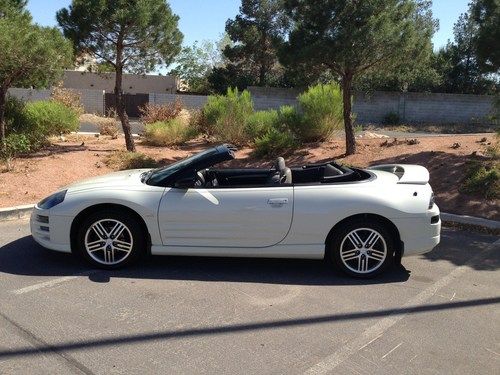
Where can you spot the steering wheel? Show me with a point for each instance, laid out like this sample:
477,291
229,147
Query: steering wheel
200,180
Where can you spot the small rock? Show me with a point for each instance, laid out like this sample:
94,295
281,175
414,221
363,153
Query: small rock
456,145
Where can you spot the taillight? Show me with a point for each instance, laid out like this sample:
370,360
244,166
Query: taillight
431,201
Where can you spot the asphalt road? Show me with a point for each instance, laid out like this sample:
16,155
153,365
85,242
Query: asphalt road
437,314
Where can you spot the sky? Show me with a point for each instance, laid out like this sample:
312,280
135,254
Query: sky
206,19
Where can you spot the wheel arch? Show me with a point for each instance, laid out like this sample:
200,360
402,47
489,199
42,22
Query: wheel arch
367,216
106,206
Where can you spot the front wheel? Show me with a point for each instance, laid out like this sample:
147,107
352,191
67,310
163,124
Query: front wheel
110,239
362,249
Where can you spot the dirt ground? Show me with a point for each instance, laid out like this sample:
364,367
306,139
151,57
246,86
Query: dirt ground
78,157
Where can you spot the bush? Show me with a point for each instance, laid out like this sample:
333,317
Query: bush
483,179
68,98
168,133
121,160
15,144
49,118
225,116
275,142
322,112
152,113
259,123
391,118
15,115
289,117
37,121
108,126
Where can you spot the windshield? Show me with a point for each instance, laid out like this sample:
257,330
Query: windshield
157,175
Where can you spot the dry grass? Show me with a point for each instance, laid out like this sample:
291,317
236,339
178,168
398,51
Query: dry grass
69,98
152,113
106,125
122,160
168,133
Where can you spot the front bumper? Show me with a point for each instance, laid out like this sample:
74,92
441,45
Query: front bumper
51,231
420,234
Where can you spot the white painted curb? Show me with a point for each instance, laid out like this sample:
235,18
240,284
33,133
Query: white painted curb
470,220
16,212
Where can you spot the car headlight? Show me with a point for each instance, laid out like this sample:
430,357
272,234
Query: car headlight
431,201
52,200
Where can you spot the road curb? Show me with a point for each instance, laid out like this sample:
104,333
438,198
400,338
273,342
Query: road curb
472,223
16,212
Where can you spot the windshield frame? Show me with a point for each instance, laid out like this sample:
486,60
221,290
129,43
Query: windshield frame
166,176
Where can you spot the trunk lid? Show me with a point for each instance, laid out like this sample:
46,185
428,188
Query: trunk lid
406,173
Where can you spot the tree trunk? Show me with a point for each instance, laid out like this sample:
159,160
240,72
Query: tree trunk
350,140
262,75
120,101
3,94
263,62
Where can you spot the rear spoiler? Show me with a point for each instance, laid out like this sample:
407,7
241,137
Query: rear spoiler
407,173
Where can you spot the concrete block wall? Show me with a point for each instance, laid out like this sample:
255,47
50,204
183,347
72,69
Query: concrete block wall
198,101
189,101
446,108
29,95
424,108
92,100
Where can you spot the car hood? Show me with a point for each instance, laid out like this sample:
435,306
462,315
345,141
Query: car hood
123,179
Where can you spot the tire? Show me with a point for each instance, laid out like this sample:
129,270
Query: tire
110,239
362,249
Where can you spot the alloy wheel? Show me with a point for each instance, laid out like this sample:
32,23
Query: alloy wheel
108,241
363,250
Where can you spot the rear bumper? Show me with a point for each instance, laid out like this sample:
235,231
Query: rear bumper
50,231
420,234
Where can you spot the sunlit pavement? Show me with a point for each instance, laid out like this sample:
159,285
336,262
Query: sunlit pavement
438,314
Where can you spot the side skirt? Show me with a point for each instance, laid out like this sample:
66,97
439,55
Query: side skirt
277,251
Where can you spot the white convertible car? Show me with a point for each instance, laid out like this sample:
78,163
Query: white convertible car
363,220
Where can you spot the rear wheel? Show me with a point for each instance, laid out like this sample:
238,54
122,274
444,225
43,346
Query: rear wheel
362,249
110,239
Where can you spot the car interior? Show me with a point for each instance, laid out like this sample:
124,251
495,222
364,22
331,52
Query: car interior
278,174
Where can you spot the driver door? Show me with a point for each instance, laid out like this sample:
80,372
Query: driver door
225,217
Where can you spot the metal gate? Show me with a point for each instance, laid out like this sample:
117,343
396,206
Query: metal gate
132,103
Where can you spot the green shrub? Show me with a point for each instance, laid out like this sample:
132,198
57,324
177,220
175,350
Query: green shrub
122,160
259,123
168,133
483,179
225,116
391,118
322,112
15,144
290,118
275,142
49,117
15,115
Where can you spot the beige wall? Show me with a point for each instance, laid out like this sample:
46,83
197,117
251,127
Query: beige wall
132,83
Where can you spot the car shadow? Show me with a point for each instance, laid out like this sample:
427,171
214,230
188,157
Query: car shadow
26,257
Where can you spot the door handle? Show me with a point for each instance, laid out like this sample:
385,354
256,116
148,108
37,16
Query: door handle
277,201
